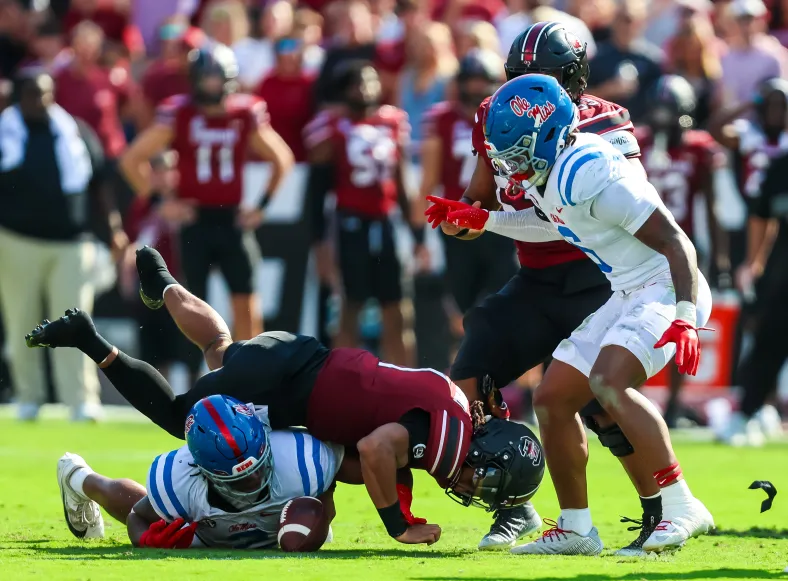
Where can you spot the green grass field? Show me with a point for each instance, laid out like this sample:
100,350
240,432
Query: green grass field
35,543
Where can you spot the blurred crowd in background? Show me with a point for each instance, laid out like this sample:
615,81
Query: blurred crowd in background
114,61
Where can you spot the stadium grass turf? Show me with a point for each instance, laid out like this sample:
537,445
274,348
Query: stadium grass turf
35,543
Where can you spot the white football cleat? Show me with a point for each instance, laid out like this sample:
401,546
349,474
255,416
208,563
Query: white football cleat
679,524
558,541
28,411
770,422
83,516
510,525
330,535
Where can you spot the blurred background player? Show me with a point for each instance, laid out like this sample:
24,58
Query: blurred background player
680,162
362,147
478,268
225,488
212,130
505,335
755,133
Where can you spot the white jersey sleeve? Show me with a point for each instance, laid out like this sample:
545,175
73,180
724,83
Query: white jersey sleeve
627,203
586,171
174,484
303,465
624,141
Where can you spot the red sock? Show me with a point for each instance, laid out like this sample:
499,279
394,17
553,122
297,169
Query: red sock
667,476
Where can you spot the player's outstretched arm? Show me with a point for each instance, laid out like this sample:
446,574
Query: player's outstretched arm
141,517
381,453
480,189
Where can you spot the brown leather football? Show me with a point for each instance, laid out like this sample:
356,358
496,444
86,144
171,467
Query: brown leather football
303,526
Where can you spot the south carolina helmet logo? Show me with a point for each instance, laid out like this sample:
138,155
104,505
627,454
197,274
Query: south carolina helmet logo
528,448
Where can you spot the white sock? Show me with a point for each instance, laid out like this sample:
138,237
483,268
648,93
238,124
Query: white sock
577,520
77,479
678,493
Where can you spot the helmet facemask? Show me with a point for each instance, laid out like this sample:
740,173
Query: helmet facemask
250,478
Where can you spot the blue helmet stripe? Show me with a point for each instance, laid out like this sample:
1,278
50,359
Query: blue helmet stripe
301,458
167,477
154,491
563,168
573,172
318,466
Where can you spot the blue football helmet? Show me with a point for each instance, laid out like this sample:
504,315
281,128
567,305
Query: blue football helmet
526,127
230,446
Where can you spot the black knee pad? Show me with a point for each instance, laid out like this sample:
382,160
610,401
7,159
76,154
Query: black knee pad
611,437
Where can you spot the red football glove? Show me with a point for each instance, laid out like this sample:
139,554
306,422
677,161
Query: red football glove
685,336
440,208
405,495
468,217
161,535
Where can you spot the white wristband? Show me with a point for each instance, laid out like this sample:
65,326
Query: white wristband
168,287
685,311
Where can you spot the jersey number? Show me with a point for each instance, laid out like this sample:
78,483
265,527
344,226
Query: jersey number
205,165
371,154
575,240
674,191
464,151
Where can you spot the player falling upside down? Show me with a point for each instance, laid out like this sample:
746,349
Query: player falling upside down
504,335
598,202
392,417
224,489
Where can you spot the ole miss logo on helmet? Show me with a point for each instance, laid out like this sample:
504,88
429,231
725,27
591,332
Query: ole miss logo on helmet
539,113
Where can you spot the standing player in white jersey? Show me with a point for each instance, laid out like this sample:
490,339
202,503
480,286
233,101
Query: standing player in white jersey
225,489
504,336
606,208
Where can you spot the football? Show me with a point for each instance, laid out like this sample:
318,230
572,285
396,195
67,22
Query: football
303,526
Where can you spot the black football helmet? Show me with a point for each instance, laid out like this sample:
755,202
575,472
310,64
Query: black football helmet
508,465
478,64
212,73
549,48
671,105
772,119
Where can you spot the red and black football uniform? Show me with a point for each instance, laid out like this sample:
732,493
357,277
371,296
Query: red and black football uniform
681,173
366,155
557,286
475,268
339,395
212,152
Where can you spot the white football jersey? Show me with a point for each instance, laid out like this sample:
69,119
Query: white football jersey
588,168
303,466
537,229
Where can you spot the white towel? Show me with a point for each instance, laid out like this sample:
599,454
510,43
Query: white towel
73,158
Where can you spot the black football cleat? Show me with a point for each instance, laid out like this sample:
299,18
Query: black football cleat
154,277
69,330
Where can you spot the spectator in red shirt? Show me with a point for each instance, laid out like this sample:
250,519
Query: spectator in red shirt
91,93
112,18
288,93
167,75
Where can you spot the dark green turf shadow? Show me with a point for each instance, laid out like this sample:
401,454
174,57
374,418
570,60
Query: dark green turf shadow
126,552
699,575
752,533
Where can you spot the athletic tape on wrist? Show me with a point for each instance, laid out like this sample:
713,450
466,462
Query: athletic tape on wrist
686,311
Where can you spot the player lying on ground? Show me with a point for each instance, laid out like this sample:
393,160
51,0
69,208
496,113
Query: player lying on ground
504,335
605,207
225,488
394,417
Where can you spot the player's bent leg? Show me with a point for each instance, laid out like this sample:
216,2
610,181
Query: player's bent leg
393,342
83,516
614,378
115,495
347,335
562,392
247,321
